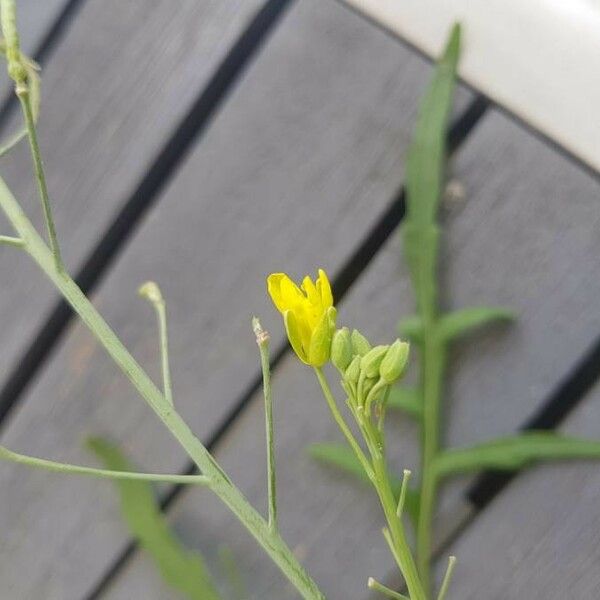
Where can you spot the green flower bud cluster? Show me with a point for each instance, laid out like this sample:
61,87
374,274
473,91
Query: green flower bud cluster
366,370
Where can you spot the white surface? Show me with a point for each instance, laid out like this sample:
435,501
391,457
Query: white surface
540,59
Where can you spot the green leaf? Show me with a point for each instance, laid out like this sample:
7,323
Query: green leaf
343,458
456,324
232,573
180,568
461,322
406,399
427,155
411,328
425,172
513,453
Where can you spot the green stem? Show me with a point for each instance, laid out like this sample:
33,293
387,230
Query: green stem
161,313
402,499
152,293
401,548
50,465
279,552
373,584
447,578
262,339
434,358
8,240
337,416
378,474
25,99
17,71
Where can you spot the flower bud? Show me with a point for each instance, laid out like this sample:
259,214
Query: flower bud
341,349
150,291
360,344
394,362
353,371
370,362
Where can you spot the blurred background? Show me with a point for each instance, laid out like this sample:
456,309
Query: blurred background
206,144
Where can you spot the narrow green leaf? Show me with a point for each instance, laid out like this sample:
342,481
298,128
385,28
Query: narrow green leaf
406,399
513,453
342,457
232,573
180,568
461,322
425,172
427,155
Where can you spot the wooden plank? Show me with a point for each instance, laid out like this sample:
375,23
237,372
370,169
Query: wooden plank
541,537
501,247
119,83
295,170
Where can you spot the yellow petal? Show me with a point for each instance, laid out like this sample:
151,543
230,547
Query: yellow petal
311,291
293,333
324,288
320,343
283,291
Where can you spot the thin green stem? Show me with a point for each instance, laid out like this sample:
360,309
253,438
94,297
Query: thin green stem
271,542
161,313
50,465
397,536
8,240
373,584
152,293
447,578
382,411
262,339
17,71
434,358
36,156
402,499
339,419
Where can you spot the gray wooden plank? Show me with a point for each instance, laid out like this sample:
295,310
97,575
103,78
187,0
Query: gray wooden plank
526,235
120,81
294,171
541,537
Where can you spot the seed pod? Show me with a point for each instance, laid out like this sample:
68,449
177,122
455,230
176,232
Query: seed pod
341,349
360,344
394,362
370,362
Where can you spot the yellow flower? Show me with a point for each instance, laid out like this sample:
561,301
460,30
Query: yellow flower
308,314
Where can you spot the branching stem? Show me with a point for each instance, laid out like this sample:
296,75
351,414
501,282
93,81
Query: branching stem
339,419
221,485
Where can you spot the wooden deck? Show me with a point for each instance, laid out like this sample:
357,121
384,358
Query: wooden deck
206,146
